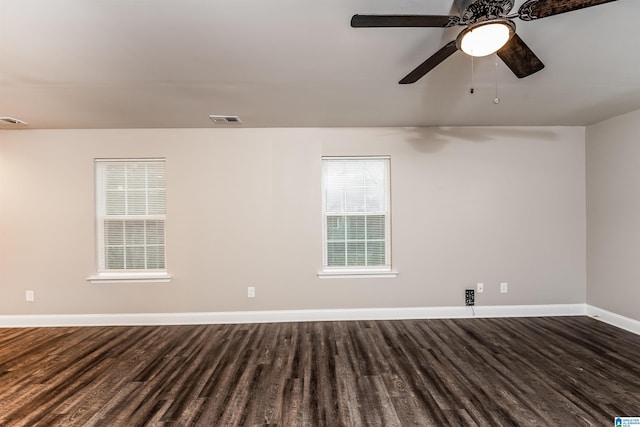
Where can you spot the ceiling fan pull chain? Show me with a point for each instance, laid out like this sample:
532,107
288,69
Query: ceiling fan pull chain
496,100
472,81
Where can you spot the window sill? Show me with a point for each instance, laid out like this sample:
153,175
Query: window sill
130,278
364,274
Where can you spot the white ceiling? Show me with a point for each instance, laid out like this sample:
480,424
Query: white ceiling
298,63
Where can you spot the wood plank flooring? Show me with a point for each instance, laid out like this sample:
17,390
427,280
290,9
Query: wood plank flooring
564,371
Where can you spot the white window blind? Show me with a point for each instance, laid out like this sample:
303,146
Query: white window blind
130,212
356,211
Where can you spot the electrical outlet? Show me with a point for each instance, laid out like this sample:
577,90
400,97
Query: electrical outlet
504,287
251,292
480,288
30,296
469,297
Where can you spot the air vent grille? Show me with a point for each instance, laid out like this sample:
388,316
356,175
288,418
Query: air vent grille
12,121
220,119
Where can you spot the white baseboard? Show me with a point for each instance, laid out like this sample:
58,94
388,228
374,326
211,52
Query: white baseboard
276,316
614,319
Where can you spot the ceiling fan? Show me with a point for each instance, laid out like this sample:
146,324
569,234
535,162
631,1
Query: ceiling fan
485,20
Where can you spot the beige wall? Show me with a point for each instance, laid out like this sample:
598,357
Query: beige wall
613,213
469,205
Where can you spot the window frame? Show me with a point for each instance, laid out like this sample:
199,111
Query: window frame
384,270
131,275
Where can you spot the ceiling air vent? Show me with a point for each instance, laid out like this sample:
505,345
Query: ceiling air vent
12,121
219,120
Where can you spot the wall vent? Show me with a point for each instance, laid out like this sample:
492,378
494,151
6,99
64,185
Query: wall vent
12,121
219,119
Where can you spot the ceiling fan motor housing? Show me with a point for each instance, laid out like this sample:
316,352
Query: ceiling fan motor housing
472,11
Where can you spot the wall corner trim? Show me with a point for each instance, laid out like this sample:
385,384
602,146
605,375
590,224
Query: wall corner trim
614,319
230,317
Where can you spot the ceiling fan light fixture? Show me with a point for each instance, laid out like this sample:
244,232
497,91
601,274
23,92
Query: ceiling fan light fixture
485,38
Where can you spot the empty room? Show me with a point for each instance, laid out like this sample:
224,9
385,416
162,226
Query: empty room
335,213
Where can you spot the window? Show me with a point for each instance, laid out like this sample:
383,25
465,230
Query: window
356,215
130,219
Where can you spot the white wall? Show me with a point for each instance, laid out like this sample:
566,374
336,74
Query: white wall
613,212
468,205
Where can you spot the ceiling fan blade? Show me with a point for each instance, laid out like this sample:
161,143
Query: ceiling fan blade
520,58
536,9
428,65
443,21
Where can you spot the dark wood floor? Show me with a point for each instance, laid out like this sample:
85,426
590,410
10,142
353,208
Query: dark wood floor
570,371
